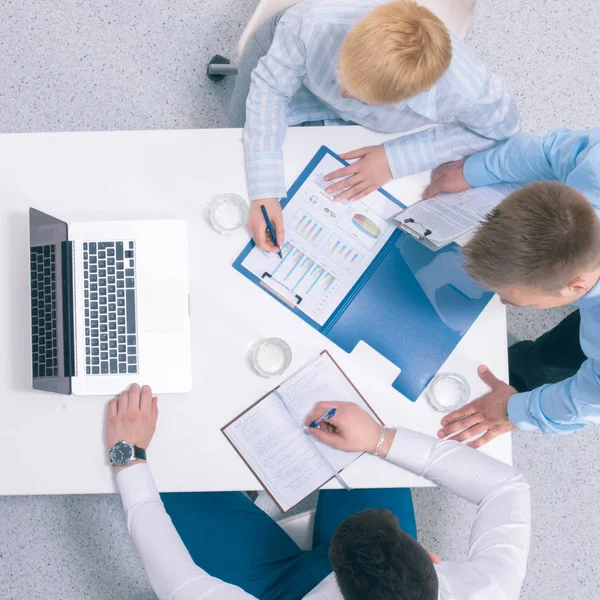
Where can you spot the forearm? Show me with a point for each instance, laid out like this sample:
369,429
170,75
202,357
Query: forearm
519,160
562,407
463,470
169,566
428,149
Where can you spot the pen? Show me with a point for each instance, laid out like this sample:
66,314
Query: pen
270,229
325,417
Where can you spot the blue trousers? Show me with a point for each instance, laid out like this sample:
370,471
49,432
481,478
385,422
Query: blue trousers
233,540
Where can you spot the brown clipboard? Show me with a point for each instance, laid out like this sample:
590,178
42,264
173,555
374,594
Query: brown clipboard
265,488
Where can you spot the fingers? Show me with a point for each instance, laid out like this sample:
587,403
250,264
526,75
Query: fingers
461,424
356,153
112,408
331,439
279,227
154,408
262,240
342,185
432,189
467,434
487,376
134,394
344,172
146,399
122,402
483,440
363,193
324,407
466,411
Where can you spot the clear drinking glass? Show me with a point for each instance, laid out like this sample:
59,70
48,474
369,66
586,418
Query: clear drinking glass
448,392
271,356
228,212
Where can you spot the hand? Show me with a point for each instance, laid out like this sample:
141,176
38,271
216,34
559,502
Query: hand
258,227
132,418
351,429
447,178
362,177
488,413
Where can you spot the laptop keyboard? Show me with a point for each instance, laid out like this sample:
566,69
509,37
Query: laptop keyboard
43,311
109,308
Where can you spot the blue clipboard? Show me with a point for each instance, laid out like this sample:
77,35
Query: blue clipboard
412,305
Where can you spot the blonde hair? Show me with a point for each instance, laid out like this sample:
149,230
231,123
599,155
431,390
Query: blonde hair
542,237
397,51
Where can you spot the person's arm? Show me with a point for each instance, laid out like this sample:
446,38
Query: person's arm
571,157
275,80
493,117
500,536
562,407
169,566
172,573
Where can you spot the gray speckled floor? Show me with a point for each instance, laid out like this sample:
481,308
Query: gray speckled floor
77,65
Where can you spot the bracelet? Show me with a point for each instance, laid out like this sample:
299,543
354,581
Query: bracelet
381,440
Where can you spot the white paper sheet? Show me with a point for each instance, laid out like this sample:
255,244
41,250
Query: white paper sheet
328,245
448,216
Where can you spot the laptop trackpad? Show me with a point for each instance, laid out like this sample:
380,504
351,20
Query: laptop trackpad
163,306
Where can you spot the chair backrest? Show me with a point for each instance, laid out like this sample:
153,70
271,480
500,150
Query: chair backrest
264,11
300,528
456,14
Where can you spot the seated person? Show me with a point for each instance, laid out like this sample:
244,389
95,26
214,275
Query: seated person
391,68
539,248
366,537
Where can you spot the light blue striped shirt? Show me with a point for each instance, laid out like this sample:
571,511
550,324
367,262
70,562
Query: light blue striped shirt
572,157
297,82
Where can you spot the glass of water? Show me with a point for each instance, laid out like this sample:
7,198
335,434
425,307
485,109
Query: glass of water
228,212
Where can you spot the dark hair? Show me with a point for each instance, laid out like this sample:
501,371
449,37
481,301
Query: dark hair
373,559
542,236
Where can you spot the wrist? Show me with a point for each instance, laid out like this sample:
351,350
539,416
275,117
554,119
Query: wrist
131,464
388,440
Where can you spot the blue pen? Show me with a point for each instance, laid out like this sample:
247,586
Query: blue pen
325,417
270,229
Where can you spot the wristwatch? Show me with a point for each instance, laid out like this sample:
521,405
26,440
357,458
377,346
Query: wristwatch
123,453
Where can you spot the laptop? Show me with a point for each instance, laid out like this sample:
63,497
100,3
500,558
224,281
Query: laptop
109,305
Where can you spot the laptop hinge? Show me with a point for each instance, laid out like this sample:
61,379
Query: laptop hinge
68,308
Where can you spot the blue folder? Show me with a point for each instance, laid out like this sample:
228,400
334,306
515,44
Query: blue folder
411,305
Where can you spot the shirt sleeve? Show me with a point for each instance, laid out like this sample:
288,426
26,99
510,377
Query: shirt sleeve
277,77
169,566
572,157
562,407
500,536
492,118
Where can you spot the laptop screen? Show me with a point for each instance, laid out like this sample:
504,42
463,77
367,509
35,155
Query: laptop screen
51,303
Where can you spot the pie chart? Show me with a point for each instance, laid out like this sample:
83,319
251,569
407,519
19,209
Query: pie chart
366,226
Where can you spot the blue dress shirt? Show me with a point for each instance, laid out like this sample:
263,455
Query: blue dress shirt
572,157
297,82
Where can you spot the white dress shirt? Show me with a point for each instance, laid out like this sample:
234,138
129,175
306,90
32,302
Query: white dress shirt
493,569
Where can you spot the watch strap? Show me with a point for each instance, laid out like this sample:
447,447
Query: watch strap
139,453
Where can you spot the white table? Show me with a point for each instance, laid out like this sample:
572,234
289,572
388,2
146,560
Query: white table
53,444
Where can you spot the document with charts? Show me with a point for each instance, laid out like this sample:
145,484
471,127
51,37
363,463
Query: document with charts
328,244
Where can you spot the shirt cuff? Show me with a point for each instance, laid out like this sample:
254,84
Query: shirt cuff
411,449
266,176
410,154
518,414
475,171
136,485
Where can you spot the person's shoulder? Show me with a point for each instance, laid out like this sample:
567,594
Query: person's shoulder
467,75
326,13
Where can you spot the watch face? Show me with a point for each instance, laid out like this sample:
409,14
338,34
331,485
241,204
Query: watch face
121,454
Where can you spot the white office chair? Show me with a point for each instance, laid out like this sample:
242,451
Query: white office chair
300,528
456,14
